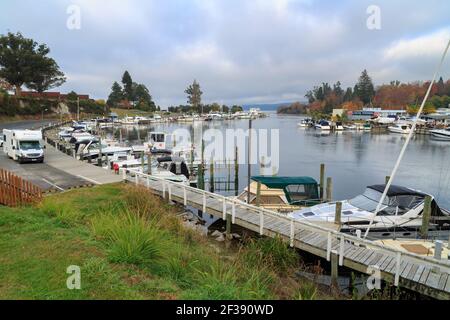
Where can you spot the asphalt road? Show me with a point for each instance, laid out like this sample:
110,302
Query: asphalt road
41,174
24,124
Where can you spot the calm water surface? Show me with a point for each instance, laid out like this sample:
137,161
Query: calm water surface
353,159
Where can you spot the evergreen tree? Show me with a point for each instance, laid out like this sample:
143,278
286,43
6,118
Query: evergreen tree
348,95
116,95
364,88
127,86
143,98
337,89
194,95
440,87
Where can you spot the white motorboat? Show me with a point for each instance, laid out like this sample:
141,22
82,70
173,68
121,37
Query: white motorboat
338,126
349,127
400,214
323,125
441,134
128,121
402,128
92,149
305,123
385,120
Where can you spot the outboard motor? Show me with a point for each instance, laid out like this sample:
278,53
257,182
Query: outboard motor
178,167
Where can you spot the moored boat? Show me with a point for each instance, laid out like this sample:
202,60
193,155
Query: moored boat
400,215
441,134
282,194
323,125
401,128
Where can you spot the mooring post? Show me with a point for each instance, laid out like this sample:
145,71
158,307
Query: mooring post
337,214
329,189
236,171
426,217
211,176
100,154
334,269
258,194
149,163
228,227
322,180
438,246
387,179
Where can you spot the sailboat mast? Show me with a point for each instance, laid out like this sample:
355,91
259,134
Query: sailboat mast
402,152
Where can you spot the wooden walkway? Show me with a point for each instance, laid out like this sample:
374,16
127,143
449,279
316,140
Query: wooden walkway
425,275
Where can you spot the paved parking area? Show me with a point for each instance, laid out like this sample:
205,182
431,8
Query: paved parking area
59,172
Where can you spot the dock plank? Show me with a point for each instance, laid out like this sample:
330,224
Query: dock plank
316,240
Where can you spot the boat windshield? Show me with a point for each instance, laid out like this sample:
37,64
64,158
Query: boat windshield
29,145
368,201
96,145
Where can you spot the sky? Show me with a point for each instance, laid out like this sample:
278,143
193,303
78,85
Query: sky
240,51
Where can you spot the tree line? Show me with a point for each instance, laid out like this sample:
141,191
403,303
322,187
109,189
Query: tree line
395,95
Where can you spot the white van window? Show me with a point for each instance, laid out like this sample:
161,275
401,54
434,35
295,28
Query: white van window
29,145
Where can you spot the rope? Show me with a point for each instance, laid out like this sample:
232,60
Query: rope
402,152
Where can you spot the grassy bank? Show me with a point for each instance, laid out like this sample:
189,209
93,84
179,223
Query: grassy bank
131,246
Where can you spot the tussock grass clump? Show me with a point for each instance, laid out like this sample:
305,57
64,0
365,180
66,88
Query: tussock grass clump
270,253
307,291
63,212
130,238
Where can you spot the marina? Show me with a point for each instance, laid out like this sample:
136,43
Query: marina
401,263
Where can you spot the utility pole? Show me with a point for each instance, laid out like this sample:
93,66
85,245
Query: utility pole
78,108
249,167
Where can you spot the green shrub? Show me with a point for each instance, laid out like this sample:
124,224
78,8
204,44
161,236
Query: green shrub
129,238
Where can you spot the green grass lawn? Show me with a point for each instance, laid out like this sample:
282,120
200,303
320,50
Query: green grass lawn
131,245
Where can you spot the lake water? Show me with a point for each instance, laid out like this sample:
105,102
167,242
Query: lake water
353,159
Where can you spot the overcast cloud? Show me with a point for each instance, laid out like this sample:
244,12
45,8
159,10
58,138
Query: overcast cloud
241,51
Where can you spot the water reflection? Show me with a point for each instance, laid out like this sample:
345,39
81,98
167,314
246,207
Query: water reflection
353,159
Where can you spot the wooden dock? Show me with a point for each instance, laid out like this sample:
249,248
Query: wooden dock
425,275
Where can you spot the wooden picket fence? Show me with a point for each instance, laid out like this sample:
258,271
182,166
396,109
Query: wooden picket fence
15,191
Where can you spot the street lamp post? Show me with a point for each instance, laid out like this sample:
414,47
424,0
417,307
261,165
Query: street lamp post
42,114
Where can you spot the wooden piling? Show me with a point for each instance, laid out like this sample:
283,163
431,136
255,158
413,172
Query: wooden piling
426,217
228,226
149,163
329,190
236,171
338,213
211,175
334,269
258,194
321,180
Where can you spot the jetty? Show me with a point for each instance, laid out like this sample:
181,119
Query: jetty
421,274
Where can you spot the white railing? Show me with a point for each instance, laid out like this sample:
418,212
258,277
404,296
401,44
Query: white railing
339,237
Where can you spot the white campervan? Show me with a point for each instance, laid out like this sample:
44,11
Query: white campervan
23,145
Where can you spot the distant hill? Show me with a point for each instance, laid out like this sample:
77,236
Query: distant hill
265,106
